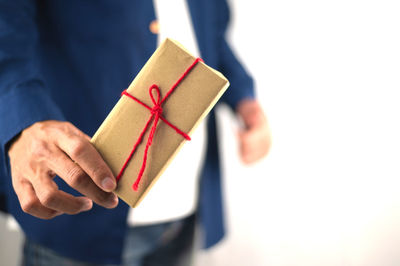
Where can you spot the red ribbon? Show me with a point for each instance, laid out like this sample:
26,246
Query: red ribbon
156,115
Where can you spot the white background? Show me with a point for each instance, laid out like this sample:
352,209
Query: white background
328,76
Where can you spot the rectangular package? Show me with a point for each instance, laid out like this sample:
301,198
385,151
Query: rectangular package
185,107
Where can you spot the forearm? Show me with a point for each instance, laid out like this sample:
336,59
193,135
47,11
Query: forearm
24,99
241,83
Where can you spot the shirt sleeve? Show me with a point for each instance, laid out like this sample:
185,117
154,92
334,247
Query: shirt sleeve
242,85
24,99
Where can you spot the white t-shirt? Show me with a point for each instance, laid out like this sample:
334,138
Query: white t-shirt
175,193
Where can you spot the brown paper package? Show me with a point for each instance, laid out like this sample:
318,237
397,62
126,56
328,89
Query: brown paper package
190,102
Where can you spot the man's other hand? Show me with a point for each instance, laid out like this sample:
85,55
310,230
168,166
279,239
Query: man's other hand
254,138
51,148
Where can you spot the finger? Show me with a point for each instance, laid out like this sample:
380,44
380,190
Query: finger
84,153
53,198
29,201
244,145
74,176
249,148
86,137
249,158
74,130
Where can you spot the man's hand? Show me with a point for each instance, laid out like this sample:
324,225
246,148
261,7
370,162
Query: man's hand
51,148
255,138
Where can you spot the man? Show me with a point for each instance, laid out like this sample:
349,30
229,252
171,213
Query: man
68,61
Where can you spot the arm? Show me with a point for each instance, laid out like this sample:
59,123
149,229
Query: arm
37,143
254,138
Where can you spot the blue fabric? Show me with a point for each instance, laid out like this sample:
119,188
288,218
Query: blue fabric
69,60
164,244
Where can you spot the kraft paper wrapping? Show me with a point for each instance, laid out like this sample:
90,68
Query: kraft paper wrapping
190,102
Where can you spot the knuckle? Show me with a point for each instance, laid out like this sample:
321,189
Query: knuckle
76,177
101,198
41,125
66,126
40,149
75,211
29,204
42,128
77,148
48,216
47,197
59,127
98,172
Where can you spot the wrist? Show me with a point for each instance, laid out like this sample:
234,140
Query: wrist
11,142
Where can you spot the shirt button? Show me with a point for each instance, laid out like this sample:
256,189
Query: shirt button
154,27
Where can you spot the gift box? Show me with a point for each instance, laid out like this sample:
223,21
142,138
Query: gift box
154,117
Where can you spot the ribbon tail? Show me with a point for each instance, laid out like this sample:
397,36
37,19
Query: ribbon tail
139,140
149,142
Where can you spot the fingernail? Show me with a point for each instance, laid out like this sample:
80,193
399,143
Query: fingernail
108,184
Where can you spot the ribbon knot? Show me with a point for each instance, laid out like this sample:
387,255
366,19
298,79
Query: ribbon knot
157,110
156,115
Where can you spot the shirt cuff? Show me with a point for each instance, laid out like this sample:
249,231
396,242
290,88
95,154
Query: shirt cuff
20,108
